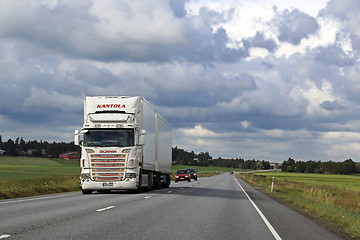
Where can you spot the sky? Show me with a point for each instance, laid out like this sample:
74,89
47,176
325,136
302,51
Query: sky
252,79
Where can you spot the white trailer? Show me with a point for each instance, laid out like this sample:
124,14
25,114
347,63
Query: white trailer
114,153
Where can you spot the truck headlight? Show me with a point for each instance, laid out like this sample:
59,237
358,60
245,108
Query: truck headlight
130,175
131,163
85,176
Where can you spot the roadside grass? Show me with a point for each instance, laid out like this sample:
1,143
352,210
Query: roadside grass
332,197
26,176
351,182
38,186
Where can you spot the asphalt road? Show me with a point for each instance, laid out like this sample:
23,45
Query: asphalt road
220,207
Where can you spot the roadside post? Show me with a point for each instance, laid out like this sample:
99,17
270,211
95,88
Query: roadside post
272,184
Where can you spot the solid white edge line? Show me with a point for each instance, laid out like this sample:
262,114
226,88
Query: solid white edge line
4,236
270,227
147,197
103,209
35,198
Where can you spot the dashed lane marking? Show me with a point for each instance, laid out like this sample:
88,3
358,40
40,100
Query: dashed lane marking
5,236
103,209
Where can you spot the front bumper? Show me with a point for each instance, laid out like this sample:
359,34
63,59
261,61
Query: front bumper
127,184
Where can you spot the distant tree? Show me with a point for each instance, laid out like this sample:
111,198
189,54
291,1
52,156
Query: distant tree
22,145
348,167
288,166
10,148
259,165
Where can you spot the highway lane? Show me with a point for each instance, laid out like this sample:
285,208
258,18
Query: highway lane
210,208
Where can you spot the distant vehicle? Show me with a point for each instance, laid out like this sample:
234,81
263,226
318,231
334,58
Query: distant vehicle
182,175
193,173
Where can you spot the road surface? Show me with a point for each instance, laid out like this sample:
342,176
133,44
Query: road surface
220,207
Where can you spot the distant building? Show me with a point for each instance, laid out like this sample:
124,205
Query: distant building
70,156
275,165
2,152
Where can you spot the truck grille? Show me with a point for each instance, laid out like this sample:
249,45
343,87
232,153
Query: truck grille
107,167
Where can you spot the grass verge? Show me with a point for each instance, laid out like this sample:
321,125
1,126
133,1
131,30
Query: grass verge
340,205
38,186
31,176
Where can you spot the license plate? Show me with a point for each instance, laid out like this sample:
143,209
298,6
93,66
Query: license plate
110,184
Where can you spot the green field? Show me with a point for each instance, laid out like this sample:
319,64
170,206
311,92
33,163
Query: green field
27,176
351,182
16,168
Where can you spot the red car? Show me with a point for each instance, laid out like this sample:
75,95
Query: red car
182,175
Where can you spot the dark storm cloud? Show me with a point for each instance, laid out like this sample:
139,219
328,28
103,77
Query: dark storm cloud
334,55
194,65
295,25
178,7
260,41
331,105
71,29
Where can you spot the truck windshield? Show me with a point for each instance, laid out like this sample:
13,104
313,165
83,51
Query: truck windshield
109,138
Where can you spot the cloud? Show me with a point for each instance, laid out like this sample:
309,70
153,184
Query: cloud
109,31
295,25
266,87
331,106
348,13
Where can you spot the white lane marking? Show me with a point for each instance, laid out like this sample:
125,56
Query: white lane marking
182,188
4,236
270,227
169,192
147,197
103,209
38,198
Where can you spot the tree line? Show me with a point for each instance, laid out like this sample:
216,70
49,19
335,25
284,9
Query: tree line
346,167
180,156
36,148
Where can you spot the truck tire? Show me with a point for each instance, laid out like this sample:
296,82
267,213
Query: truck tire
86,192
166,181
139,188
150,180
157,180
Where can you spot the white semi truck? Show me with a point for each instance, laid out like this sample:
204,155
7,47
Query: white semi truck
114,153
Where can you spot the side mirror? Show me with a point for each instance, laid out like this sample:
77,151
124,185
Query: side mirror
142,138
77,138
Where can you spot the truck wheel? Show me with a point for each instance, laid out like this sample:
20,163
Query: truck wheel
139,188
167,181
86,192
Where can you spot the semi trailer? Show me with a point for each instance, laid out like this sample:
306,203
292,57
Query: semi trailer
125,145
